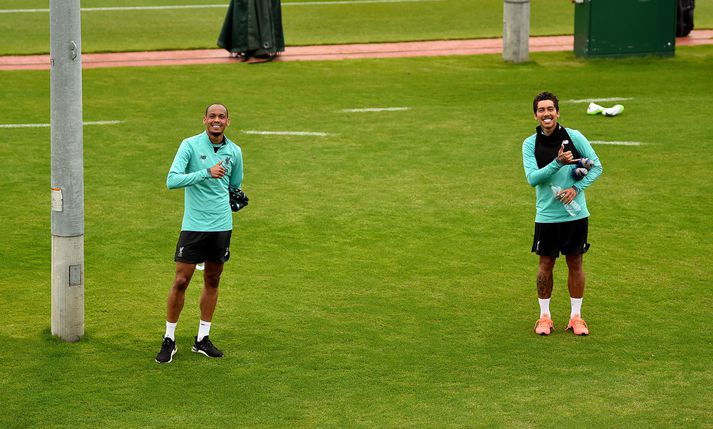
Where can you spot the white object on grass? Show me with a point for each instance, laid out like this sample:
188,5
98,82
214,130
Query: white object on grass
594,109
613,111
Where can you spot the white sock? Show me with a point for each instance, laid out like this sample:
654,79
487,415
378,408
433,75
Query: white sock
544,306
203,330
170,330
576,306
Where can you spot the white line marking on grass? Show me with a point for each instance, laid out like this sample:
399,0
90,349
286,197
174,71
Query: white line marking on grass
48,125
592,100
103,122
23,10
616,143
216,6
376,109
285,133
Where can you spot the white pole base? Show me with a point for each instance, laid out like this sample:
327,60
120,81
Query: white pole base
68,287
516,30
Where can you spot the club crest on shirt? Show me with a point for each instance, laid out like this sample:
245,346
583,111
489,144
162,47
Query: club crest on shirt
203,157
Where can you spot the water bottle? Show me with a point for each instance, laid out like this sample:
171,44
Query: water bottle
572,208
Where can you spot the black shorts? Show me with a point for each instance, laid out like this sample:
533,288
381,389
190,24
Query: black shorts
570,238
194,247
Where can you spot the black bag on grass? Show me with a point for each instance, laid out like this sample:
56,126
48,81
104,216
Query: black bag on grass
684,17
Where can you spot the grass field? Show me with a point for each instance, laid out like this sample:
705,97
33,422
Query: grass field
381,276
137,30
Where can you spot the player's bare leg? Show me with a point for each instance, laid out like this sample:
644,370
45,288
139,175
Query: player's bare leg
575,277
209,299
545,281
545,277
174,305
176,297
575,283
209,296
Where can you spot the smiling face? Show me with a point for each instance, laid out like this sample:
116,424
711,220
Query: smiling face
216,121
547,114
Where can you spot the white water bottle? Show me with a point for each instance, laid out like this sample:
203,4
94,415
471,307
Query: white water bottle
573,208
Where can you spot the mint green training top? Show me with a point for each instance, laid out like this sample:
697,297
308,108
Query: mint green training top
207,206
549,209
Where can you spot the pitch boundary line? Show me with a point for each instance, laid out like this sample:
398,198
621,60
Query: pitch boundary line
285,133
216,6
594,100
375,109
48,125
615,143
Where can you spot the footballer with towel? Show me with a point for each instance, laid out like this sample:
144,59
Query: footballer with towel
560,164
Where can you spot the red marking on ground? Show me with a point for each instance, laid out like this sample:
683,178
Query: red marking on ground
321,52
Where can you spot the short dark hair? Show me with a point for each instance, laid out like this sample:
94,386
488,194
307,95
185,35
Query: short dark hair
216,104
545,96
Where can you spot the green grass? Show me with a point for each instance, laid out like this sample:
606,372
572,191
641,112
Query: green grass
381,276
303,25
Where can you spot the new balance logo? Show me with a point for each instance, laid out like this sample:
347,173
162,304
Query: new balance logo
180,252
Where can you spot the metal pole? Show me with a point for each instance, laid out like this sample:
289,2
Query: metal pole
67,170
516,30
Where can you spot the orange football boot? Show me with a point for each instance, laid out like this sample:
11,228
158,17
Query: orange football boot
544,325
577,325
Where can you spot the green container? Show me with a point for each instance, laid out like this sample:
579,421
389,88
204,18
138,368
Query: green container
618,28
